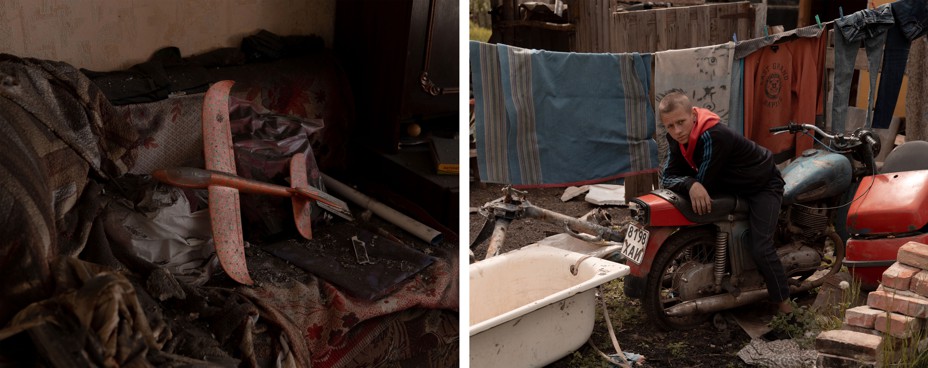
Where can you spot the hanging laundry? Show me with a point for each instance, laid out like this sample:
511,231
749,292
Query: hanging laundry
736,104
868,26
916,100
782,84
911,22
704,74
556,119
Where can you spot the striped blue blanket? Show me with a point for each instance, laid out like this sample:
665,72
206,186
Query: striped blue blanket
557,119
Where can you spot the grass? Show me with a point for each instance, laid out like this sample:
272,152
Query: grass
804,327
622,311
478,33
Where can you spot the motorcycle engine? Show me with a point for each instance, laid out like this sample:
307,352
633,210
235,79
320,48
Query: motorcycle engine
808,223
693,279
799,259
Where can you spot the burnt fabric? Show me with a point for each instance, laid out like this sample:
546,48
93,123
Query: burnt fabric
98,317
390,263
58,130
164,73
311,89
416,323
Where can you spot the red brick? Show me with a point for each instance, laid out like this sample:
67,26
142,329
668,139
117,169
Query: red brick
898,325
898,276
919,284
847,327
862,316
834,361
850,344
897,302
913,254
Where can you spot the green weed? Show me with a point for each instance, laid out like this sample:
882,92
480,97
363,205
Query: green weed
478,33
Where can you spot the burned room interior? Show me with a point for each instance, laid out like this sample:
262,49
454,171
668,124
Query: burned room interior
149,150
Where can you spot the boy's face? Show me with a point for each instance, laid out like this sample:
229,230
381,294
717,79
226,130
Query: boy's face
679,123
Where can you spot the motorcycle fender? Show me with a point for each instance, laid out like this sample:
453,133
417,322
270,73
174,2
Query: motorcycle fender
657,237
866,259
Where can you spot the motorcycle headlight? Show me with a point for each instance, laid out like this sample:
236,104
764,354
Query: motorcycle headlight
639,211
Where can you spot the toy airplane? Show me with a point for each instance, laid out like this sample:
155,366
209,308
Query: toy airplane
223,186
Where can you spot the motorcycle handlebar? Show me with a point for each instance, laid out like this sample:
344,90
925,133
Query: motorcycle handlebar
796,128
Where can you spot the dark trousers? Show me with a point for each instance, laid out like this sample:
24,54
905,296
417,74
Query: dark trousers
895,56
764,208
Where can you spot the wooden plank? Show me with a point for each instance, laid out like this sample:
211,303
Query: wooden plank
704,21
603,28
685,2
605,18
682,24
662,29
745,25
719,26
537,24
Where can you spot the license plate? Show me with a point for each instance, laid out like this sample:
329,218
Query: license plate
636,241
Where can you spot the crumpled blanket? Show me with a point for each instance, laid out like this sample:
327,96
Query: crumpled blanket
57,131
95,319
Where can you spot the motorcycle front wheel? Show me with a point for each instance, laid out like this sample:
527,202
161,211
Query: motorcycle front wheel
685,249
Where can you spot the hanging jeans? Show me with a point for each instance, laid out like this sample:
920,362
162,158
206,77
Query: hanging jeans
869,26
911,17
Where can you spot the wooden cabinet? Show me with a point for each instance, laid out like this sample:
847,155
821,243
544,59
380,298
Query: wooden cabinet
402,59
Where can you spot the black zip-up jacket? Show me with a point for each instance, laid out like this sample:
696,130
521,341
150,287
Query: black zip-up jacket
728,163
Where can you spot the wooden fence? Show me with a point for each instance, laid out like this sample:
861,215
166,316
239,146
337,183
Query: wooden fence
599,28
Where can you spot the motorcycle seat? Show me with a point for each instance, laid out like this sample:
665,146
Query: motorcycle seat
907,157
722,206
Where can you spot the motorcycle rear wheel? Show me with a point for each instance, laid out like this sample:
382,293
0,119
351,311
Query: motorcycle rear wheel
662,286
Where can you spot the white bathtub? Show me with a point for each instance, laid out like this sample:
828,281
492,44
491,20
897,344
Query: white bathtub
528,310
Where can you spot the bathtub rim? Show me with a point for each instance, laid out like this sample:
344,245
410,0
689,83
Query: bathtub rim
605,271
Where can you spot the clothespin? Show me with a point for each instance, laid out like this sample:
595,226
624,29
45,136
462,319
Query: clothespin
766,34
818,21
841,12
734,37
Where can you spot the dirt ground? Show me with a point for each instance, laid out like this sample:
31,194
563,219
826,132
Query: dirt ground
705,346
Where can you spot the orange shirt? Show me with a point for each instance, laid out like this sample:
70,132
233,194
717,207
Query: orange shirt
783,83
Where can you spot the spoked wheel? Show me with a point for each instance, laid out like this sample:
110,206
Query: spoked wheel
681,253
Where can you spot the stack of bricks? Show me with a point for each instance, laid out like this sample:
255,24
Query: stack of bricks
895,314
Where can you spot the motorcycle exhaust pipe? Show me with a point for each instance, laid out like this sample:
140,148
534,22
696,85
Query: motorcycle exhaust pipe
718,303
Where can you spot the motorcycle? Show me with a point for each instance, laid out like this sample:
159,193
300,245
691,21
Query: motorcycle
685,267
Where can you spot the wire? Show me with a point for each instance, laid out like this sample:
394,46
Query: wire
846,204
827,147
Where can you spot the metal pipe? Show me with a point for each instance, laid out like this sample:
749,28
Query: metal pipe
498,237
573,223
720,302
407,223
716,303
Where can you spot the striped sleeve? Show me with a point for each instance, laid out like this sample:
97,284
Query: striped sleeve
706,139
676,174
